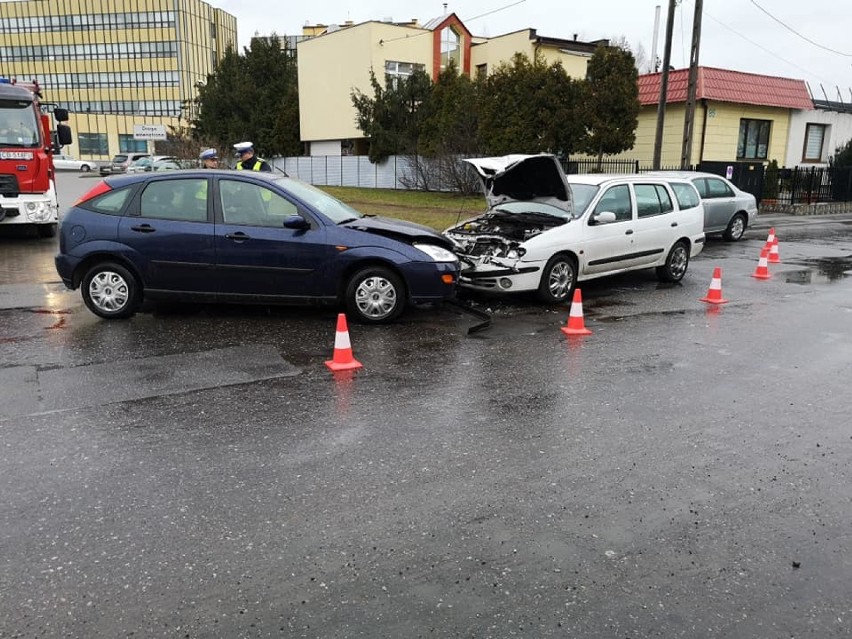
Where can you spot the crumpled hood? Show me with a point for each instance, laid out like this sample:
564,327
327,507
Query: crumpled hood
524,178
399,230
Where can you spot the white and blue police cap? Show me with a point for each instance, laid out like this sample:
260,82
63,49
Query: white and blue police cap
242,147
208,154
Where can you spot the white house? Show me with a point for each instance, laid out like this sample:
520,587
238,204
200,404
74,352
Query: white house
815,135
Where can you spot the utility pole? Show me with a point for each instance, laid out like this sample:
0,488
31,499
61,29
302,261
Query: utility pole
689,117
664,85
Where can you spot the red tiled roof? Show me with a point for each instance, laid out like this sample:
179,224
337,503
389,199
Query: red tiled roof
728,86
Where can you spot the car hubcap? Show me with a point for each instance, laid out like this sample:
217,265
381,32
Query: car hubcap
375,297
678,264
737,228
561,279
109,291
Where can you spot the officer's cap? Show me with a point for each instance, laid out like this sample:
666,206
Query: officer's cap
242,147
209,154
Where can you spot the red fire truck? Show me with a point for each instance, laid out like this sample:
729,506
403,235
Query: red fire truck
27,145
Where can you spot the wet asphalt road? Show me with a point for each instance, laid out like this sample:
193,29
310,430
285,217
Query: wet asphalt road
197,471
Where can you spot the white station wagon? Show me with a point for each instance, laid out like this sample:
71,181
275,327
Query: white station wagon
544,232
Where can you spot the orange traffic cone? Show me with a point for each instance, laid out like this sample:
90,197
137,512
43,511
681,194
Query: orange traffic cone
762,270
774,255
342,359
576,325
714,293
770,239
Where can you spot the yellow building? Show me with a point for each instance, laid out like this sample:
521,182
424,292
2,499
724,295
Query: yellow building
742,117
114,64
334,60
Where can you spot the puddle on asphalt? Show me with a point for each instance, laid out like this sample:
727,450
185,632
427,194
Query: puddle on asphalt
821,269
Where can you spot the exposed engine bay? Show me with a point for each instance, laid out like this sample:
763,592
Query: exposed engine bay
499,233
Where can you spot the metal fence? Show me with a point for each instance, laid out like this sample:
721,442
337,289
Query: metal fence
808,185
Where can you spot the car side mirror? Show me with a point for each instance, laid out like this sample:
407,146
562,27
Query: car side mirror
604,217
296,222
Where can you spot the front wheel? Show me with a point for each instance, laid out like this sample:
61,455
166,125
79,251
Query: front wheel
676,264
736,228
110,291
375,295
85,168
558,279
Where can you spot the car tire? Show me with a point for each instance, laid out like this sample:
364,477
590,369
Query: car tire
46,230
111,291
85,168
736,228
558,279
677,261
375,295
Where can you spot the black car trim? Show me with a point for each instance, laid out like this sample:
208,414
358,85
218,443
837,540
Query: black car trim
624,258
471,274
206,265
263,269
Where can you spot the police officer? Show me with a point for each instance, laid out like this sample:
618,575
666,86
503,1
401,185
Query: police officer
248,160
209,159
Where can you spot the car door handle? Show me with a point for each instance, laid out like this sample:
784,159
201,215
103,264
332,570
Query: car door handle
629,232
143,228
674,224
237,237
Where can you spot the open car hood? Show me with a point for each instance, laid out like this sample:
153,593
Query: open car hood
523,178
401,230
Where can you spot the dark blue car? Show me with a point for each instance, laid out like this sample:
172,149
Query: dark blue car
244,237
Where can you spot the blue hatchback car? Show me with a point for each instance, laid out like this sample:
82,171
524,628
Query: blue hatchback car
244,237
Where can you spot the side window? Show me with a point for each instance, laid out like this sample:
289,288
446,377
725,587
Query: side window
717,188
252,204
652,199
182,200
685,195
701,185
616,200
111,203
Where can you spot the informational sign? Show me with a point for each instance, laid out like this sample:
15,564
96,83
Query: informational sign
149,132
729,171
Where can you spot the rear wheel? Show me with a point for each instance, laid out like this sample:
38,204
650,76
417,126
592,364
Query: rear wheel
375,295
85,168
676,264
46,230
110,291
558,279
736,228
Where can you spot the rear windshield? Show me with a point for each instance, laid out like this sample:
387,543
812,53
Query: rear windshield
119,158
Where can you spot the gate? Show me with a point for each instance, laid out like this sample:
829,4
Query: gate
746,176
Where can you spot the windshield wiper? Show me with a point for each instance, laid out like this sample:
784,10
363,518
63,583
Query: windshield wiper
347,220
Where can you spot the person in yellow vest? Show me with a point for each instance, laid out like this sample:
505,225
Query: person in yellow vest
209,159
248,160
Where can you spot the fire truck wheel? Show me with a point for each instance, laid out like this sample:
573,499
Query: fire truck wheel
111,291
46,230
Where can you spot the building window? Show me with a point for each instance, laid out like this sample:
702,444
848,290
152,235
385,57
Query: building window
753,142
481,71
450,48
396,70
126,144
93,143
814,142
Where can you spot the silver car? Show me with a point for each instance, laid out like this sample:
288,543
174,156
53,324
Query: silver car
728,211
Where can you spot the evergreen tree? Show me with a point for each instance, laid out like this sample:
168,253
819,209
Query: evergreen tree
611,103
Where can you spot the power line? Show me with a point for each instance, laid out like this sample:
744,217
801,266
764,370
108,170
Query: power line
482,15
803,37
762,48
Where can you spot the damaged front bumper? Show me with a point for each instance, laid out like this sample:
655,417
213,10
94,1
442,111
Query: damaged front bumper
499,275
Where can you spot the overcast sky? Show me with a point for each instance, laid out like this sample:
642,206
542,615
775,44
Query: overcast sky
736,34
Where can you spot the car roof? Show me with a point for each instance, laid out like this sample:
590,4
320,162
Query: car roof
689,175
599,179
124,179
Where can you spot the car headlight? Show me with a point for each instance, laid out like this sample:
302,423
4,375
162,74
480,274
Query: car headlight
516,253
437,253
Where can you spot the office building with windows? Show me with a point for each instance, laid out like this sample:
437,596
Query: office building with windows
114,64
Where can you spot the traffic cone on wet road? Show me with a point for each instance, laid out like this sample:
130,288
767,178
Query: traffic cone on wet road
342,359
714,293
770,239
762,270
774,255
576,325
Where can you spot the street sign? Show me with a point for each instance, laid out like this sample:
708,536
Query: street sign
149,132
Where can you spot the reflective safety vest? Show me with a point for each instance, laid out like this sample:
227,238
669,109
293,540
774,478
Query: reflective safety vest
255,167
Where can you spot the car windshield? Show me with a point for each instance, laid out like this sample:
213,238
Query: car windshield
583,195
531,208
19,126
331,207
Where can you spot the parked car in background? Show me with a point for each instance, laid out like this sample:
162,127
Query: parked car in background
120,163
148,162
244,237
543,232
728,211
166,164
68,163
